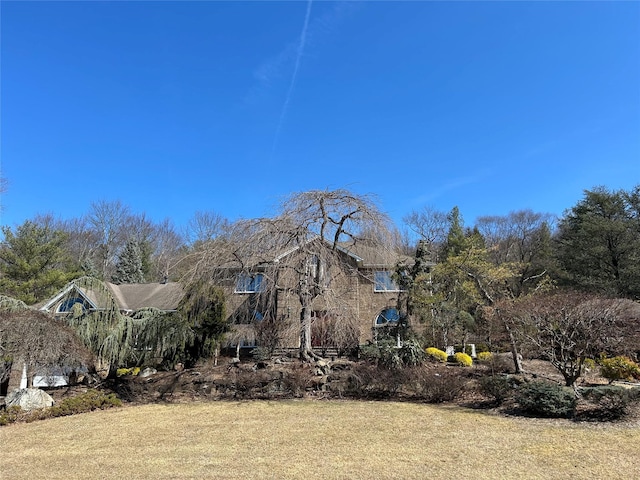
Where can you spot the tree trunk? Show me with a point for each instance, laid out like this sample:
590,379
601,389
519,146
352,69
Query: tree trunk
517,361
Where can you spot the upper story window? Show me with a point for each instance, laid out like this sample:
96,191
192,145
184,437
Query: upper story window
384,282
247,283
67,305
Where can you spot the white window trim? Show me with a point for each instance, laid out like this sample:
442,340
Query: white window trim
253,276
384,290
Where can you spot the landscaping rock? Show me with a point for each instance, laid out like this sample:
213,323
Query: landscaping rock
147,372
29,399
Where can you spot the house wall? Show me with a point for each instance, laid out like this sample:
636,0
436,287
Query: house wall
350,293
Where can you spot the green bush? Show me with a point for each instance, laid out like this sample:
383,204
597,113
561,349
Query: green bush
499,387
389,355
545,399
9,415
609,402
619,368
437,354
463,359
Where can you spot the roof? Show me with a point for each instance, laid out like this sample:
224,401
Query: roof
130,297
134,296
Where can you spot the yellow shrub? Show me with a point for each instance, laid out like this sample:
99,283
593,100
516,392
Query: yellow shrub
485,356
463,359
437,354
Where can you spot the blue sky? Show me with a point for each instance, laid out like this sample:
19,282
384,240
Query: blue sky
174,108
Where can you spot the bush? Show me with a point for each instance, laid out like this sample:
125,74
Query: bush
463,359
619,368
609,402
499,387
437,354
388,355
484,357
546,399
439,387
10,415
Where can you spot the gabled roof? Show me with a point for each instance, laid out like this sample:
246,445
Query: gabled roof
134,296
129,297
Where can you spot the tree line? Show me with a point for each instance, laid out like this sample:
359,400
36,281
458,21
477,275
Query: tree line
522,280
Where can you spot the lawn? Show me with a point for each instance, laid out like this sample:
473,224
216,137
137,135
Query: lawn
314,439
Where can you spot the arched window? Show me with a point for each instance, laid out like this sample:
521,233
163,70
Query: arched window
67,305
387,316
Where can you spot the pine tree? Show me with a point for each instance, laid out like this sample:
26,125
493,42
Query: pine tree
129,265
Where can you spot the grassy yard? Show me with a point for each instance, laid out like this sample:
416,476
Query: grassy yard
314,439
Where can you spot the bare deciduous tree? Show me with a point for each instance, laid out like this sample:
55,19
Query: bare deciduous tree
569,327
303,249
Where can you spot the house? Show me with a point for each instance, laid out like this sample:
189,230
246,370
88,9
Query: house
91,295
351,292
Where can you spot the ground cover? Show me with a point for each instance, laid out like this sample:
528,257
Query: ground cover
291,439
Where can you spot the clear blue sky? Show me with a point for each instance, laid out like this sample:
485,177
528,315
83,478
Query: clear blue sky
174,108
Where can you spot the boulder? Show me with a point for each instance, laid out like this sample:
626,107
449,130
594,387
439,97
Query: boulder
29,399
147,372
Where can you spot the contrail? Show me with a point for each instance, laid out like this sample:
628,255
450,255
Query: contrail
300,51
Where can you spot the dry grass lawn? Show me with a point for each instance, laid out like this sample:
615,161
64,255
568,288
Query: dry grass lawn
314,439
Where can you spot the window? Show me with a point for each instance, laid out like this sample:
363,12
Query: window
249,283
67,305
383,282
387,316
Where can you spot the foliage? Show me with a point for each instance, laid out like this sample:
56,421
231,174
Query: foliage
437,354
599,240
33,263
388,355
86,402
10,415
129,264
619,368
188,334
499,387
484,357
609,402
133,371
545,399
463,359
203,309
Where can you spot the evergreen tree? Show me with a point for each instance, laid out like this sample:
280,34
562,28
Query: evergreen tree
129,265
598,243
33,262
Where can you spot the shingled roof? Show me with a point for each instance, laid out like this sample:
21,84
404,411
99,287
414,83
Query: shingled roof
128,297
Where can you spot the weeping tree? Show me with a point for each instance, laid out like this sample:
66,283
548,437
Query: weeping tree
150,335
303,251
37,340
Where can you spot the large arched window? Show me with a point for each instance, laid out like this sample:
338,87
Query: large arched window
67,305
387,316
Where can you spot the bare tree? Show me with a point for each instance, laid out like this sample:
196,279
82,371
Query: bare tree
108,221
568,327
432,227
306,246
37,340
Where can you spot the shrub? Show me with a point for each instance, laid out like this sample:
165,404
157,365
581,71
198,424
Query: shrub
10,415
609,402
546,399
437,354
463,359
485,357
388,355
499,387
439,387
134,371
619,368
